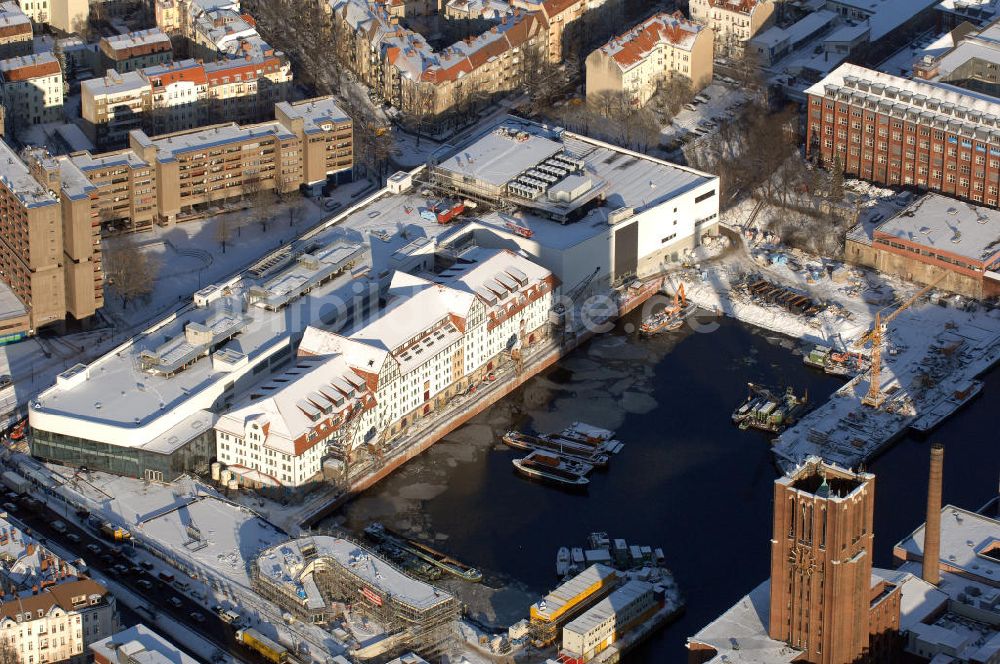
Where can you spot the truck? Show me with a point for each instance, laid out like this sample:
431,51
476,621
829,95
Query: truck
115,533
270,650
14,481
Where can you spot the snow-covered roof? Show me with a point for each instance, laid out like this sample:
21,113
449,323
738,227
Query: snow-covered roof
955,109
740,635
169,147
26,563
918,599
139,645
802,29
114,83
501,155
285,564
970,543
15,176
608,607
10,306
314,112
157,411
551,606
631,48
948,225
140,40
884,16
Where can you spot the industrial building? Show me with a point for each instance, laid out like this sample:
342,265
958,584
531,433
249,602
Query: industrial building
569,600
602,624
636,63
307,576
934,240
902,132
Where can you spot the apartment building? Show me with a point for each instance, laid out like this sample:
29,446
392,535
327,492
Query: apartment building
437,336
181,95
15,31
124,189
327,137
562,19
135,50
902,132
734,22
654,51
49,255
32,89
59,623
66,15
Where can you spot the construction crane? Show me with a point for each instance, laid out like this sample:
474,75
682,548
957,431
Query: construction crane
558,314
876,335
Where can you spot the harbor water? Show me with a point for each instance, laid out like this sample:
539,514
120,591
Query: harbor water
688,480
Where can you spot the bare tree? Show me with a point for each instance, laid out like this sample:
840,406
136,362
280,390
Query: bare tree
223,232
129,272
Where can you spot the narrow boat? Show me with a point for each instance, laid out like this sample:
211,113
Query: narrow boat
380,533
563,447
554,469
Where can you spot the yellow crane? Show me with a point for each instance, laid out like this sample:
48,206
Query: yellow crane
876,335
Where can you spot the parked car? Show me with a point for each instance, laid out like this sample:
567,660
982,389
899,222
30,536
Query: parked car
73,537
176,602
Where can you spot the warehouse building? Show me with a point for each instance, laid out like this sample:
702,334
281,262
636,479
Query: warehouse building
935,240
310,575
605,622
902,132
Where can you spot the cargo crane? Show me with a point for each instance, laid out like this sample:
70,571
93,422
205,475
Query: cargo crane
558,314
876,335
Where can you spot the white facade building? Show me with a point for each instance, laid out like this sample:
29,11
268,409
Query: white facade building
32,89
438,333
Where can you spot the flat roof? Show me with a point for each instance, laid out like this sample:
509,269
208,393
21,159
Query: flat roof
137,398
285,563
949,225
314,112
884,16
140,645
14,175
608,607
502,154
115,83
10,306
169,146
740,635
966,537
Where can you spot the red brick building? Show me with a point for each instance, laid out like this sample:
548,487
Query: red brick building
899,132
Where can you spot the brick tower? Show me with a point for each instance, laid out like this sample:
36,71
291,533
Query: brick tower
821,564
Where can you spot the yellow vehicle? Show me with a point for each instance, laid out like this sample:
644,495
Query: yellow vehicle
272,652
115,533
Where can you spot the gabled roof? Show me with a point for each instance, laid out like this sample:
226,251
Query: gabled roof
637,44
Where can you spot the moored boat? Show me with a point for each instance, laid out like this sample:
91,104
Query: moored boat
554,469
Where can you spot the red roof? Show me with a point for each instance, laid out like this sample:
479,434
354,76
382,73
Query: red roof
29,71
194,75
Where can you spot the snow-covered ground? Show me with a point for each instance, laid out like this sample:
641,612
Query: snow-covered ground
720,107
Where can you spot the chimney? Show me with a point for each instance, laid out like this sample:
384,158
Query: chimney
932,530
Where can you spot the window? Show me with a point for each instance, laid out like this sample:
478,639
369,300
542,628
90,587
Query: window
705,196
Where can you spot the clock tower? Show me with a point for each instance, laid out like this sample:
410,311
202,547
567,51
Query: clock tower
821,562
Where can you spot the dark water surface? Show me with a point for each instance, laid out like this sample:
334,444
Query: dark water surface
687,481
